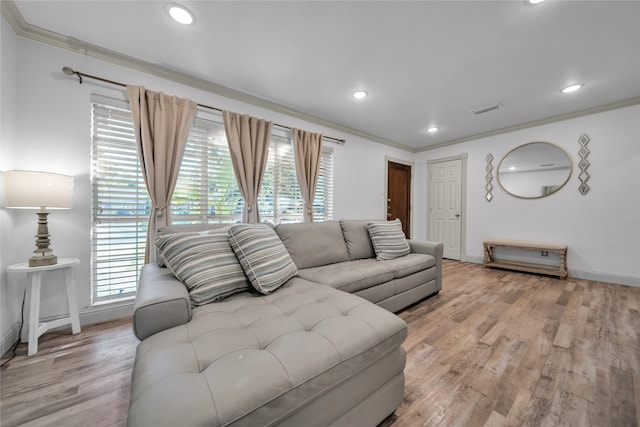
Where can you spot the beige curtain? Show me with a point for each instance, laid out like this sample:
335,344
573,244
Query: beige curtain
161,124
307,149
248,139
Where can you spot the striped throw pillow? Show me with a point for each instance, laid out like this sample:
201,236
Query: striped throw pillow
388,239
263,256
204,262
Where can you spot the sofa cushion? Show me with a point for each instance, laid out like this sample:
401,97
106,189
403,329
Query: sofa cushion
409,264
312,244
356,237
349,276
204,262
388,239
262,255
254,360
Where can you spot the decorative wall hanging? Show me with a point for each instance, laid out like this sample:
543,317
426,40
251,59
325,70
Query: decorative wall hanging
583,164
489,177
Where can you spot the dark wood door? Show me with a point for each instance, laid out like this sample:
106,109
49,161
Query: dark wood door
399,194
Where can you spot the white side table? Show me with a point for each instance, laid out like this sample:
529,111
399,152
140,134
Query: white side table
33,296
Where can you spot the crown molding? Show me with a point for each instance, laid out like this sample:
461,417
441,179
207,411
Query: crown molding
28,31
11,13
25,30
561,117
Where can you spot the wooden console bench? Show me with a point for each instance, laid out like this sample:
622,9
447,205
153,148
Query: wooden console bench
560,270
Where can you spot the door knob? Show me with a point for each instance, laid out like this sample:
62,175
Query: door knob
457,215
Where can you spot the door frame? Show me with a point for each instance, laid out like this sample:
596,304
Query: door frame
463,197
388,159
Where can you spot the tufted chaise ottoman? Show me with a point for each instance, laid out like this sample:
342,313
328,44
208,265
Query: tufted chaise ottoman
305,355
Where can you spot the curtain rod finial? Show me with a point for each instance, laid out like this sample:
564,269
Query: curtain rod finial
70,72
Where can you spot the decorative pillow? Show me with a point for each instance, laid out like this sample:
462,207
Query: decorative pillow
356,236
263,256
388,239
204,262
186,228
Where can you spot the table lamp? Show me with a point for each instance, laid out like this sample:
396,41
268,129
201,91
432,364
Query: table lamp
39,190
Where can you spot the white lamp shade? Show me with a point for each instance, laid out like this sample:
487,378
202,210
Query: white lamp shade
35,190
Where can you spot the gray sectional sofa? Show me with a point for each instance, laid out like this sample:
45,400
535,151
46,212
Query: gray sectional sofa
322,349
340,254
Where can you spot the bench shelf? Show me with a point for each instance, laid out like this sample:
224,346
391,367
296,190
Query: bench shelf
491,261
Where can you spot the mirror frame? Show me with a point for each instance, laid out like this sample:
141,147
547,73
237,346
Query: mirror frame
545,195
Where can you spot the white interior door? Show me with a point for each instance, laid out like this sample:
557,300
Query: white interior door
446,206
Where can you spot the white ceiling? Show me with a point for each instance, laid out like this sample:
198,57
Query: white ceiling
423,62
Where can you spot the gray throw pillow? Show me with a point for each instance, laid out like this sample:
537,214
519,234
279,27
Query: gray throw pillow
204,262
262,255
356,236
388,240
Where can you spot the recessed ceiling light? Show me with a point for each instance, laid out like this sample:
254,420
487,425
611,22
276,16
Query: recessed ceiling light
181,14
533,2
572,88
360,94
432,129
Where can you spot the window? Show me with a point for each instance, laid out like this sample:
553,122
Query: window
279,198
323,202
120,203
206,191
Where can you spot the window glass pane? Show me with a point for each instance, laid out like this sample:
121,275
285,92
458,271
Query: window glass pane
120,204
279,198
206,191
323,202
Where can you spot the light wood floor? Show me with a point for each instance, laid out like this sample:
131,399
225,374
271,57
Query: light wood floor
493,348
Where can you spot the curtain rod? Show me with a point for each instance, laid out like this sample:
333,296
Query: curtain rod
70,72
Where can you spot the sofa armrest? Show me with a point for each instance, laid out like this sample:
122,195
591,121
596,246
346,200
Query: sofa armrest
435,250
162,302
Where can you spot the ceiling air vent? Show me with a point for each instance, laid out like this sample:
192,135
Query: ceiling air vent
486,108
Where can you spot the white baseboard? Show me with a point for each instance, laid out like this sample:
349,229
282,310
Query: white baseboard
10,339
475,259
104,313
88,316
617,279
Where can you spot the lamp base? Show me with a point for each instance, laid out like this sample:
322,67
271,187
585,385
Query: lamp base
42,260
43,255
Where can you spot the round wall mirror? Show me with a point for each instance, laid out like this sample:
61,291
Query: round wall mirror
534,170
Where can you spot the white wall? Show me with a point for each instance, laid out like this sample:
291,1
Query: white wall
602,229
10,297
50,131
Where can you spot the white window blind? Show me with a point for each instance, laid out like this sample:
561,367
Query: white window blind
206,191
279,198
120,203
323,202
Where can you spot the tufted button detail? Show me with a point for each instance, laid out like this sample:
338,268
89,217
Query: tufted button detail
247,351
